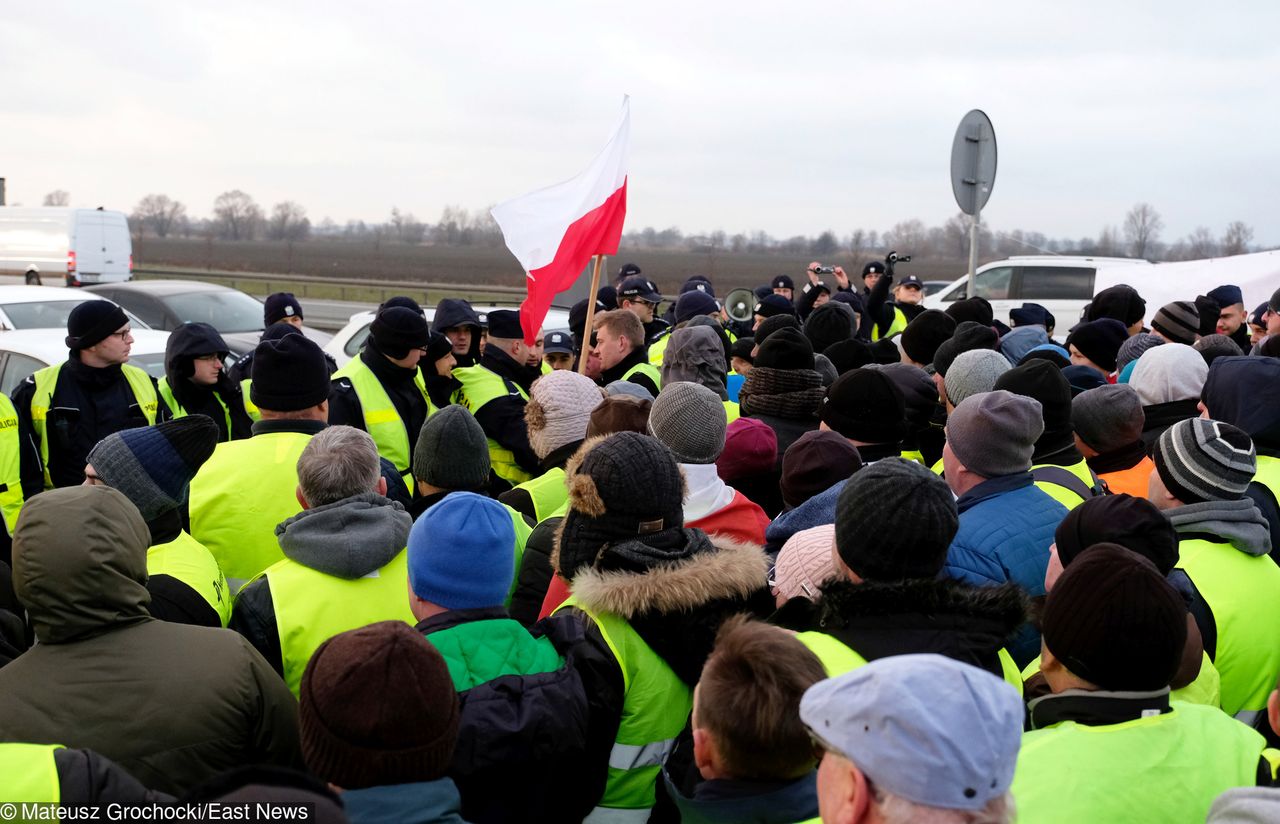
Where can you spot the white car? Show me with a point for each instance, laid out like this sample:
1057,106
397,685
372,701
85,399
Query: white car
348,341
1060,283
45,307
24,351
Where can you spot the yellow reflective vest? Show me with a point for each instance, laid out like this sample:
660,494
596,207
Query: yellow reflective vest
191,562
381,419
250,409
166,395
46,380
838,657
311,607
239,496
896,326
479,387
11,499
28,773
1067,485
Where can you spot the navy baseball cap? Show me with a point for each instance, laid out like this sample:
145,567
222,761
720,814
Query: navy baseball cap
557,342
911,280
783,282
772,305
1227,295
639,288
699,283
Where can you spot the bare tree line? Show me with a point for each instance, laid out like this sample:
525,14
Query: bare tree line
237,216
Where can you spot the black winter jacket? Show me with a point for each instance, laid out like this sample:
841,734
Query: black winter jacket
619,369
400,386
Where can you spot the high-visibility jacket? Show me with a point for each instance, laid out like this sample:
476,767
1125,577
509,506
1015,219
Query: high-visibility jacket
655,709
1206,689
731,411
548,493
1268,474
658,348
896,326
239,496
1068,485
1243,593
46,380
250,408
311,607
479,387
381,420
191,562
648,370
1132,481
913,455
838,657
166,394
10,465
28,773
1167,768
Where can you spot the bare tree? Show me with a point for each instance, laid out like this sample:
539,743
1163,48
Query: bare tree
1142,228
408,229
1108,241
1237,238
237,215
1201,244
906,237
288,222
160,214
58,197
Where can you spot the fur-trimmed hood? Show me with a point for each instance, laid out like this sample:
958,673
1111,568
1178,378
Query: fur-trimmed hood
727,569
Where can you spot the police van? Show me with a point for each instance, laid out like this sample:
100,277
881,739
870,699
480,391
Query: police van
1060,283
80,245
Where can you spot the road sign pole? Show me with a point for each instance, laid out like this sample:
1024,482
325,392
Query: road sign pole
973,246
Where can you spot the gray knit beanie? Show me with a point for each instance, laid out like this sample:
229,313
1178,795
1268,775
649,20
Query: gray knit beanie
974,372
1108,417
559,409
1200,460
1173,372
153,465
1178,321
452,451
1133,348
690,420
995,433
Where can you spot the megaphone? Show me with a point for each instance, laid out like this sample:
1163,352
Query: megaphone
740,305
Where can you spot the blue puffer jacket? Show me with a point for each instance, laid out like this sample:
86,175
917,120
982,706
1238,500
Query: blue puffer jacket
1006,527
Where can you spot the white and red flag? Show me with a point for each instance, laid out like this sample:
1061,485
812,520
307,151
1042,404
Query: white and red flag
555,231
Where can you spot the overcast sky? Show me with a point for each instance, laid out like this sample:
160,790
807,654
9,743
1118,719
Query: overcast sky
789,117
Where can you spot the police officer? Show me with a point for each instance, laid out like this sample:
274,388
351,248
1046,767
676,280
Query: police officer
456,320
195,383
64,409
557,351
641,297
495,391
277,308
382,390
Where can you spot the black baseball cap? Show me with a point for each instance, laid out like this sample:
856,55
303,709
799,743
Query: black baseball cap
911,280
875,267
557,342
783,282
639,288
628,270
774,305
700,283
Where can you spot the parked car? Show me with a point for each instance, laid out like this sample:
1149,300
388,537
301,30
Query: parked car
167,304
1062,284
24,351
78,245
45,307
932,287
347,342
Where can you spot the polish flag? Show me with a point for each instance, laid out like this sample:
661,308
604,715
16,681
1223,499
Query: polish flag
555,231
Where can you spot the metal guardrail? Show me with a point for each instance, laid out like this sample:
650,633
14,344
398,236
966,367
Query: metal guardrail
323,287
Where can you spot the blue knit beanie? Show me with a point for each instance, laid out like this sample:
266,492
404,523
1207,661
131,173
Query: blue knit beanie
462,553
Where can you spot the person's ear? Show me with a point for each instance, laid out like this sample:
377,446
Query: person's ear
381,488
1273,710
1048,663
302,500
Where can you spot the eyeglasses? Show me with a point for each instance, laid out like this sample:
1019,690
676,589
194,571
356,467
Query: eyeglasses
123,336
212,356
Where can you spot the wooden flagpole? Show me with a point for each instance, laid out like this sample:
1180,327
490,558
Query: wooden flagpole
591,313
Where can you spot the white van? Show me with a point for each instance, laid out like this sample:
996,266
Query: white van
81,245
1062,284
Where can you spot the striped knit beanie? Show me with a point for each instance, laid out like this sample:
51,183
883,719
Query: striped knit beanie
1178,321
153,465
1200,460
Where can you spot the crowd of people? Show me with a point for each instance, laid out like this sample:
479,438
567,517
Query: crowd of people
848,560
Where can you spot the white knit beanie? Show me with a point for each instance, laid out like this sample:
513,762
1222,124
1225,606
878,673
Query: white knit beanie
559,409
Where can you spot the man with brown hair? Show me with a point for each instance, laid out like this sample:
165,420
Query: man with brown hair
753,753
617,339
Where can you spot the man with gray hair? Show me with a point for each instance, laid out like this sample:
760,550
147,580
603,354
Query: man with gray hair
915,738
344,562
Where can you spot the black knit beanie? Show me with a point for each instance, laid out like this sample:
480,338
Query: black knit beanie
91,322
770,325
279,306
626,501
977,310
396,330
1120,302
1208,310
289,373
894,521
925,333
828,324
1041,380
865,405
785,349
377,707
1099,341
403,301
969,335
1113,620
1133,523
438,346
849,354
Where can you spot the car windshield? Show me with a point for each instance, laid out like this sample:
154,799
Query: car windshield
46,315
153,363
227,311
